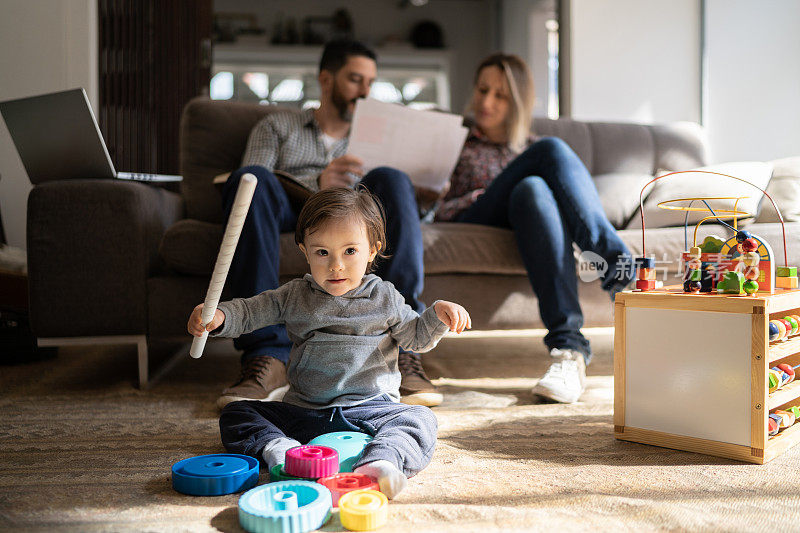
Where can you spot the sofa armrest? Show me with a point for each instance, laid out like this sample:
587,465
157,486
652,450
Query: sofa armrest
91,246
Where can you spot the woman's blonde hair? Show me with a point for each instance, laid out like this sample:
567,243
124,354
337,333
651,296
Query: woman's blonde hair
520,82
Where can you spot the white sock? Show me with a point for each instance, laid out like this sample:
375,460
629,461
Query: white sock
274,452
391,480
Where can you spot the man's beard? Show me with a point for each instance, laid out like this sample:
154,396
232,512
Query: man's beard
341,104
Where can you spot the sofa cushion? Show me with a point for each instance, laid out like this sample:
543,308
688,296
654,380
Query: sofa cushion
213,138
191,247
784,188
705,185
619,194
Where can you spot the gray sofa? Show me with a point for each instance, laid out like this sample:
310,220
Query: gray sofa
115,261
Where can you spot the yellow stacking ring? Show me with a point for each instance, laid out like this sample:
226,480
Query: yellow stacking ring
363,510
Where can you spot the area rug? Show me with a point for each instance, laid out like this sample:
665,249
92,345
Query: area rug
84,450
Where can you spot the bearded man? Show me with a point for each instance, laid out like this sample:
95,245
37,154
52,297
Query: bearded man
310,145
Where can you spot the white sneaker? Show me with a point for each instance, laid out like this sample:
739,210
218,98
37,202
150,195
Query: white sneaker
565,380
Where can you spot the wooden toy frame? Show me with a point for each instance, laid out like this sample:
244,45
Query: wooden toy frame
697,413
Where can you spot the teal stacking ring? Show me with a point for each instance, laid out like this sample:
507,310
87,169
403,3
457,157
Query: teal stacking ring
285,507
349,444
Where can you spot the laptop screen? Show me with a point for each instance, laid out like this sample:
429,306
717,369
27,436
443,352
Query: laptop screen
57,137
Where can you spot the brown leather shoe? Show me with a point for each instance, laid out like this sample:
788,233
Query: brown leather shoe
263,378
415,387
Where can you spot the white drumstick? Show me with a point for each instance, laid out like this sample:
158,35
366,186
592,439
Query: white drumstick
241,204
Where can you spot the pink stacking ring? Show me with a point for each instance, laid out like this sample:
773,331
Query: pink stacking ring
311,462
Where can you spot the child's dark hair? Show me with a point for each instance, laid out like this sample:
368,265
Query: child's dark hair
343,203
337,52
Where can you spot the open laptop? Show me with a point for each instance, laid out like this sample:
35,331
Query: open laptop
57,138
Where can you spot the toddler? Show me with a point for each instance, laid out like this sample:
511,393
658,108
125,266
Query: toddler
346,327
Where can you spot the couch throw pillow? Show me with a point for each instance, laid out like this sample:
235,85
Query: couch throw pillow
705,185
619,194
784,188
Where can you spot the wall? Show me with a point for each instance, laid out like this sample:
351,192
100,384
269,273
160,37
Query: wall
648,69
468,26
635,60
524,34
45,46
753,54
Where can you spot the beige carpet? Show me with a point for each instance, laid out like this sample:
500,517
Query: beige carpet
83,450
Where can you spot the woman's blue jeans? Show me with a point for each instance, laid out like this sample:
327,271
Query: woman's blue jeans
547,197
254,267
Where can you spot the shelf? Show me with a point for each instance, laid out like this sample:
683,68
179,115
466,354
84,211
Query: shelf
784,395
388,56
782,349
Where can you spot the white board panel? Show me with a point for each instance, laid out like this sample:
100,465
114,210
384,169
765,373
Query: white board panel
688,373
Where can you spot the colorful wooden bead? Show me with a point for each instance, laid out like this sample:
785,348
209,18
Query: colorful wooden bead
795,325
788,370
783,377
751,259
645,262
750,286
785,271
772,426
781,328
786,325
774,332
774,380
795,410
694,264
743,235
796,318
786,418
749,245
695,252
695,275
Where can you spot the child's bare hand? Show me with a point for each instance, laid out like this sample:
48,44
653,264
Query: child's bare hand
453,315
195,326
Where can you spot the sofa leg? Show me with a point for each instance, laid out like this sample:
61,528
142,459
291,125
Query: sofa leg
141,351
139,340
164,368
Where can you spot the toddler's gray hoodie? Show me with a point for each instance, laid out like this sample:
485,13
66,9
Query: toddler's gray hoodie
345,347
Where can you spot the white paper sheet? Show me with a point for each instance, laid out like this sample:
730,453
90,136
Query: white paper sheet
423,144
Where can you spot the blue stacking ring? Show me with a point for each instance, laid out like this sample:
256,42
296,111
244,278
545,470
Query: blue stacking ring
285,507
215,474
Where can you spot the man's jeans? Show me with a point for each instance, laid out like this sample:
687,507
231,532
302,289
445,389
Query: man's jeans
547,197
254,268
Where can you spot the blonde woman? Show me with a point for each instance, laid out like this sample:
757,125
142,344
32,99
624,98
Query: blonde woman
542,191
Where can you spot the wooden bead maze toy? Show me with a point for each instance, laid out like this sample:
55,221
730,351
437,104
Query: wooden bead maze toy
724,340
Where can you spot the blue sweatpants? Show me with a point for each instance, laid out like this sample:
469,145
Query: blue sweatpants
404,435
